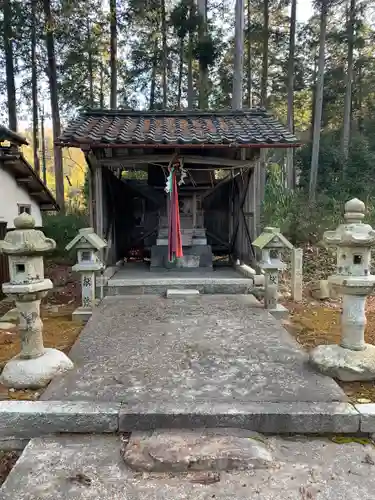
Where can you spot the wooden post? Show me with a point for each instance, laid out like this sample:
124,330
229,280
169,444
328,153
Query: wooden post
99,222
297,276
194,210
91,199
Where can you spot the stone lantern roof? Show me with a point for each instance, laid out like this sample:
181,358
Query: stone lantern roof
270,238
87,237
353,233
25,239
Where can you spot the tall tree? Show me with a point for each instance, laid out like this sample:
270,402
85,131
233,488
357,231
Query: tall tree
90,66
290,112
43,139
164,53
203,69
266,32
113,50
153,77
249,62
318,101
34,85
238,56
348,80
9,64
56,124
179,18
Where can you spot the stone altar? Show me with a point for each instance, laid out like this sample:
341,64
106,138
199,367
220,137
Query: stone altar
197,253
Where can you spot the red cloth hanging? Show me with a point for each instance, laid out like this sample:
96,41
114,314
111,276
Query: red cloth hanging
174,229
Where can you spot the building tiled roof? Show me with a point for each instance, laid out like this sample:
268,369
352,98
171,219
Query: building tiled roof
8,135
14,162
244,128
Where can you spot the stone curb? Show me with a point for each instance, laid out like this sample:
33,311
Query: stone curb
275,418
27,419
22,420
367,417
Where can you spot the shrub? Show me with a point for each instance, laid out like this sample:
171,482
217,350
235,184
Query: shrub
63,228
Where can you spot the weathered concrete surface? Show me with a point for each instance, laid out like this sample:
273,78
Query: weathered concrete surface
187,292
278,418
197,450
213,349
91,468
367,416
26,419
136,279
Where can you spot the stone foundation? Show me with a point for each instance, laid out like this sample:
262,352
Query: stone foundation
197,256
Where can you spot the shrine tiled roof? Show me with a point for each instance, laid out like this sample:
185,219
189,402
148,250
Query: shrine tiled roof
242,128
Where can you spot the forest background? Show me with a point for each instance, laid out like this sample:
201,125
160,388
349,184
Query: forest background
310,63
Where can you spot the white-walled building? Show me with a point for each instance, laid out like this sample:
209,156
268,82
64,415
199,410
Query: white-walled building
21,189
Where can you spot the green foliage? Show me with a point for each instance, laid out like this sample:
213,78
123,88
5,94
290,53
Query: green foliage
338,182
337,179
297,220
63,228
206,51
185,18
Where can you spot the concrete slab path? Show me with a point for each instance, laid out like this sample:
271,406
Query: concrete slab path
91,468
216,350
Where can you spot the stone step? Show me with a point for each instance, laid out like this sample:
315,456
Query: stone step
177,294
91,467
160,287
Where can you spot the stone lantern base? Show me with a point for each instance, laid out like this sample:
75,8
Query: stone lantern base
345,364
82,314
20,373
279,312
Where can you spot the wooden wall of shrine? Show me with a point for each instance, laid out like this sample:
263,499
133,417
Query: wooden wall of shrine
126,213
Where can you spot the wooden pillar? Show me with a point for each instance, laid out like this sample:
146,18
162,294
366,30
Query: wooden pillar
257,196
253,203
194,210
99,212
91,197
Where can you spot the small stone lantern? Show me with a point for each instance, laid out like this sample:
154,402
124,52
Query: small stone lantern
270,243
89,247
35,366
353,359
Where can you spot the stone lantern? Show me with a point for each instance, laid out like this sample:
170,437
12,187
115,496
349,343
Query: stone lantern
89,247
35,365
353,359
270,243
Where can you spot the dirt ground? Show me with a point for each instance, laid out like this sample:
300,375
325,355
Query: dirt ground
59,331
314,323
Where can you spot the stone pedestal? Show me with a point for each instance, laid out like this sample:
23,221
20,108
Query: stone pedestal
271,293
353,359
84,312
34,366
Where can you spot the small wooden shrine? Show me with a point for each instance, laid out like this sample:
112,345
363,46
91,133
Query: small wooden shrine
176,187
